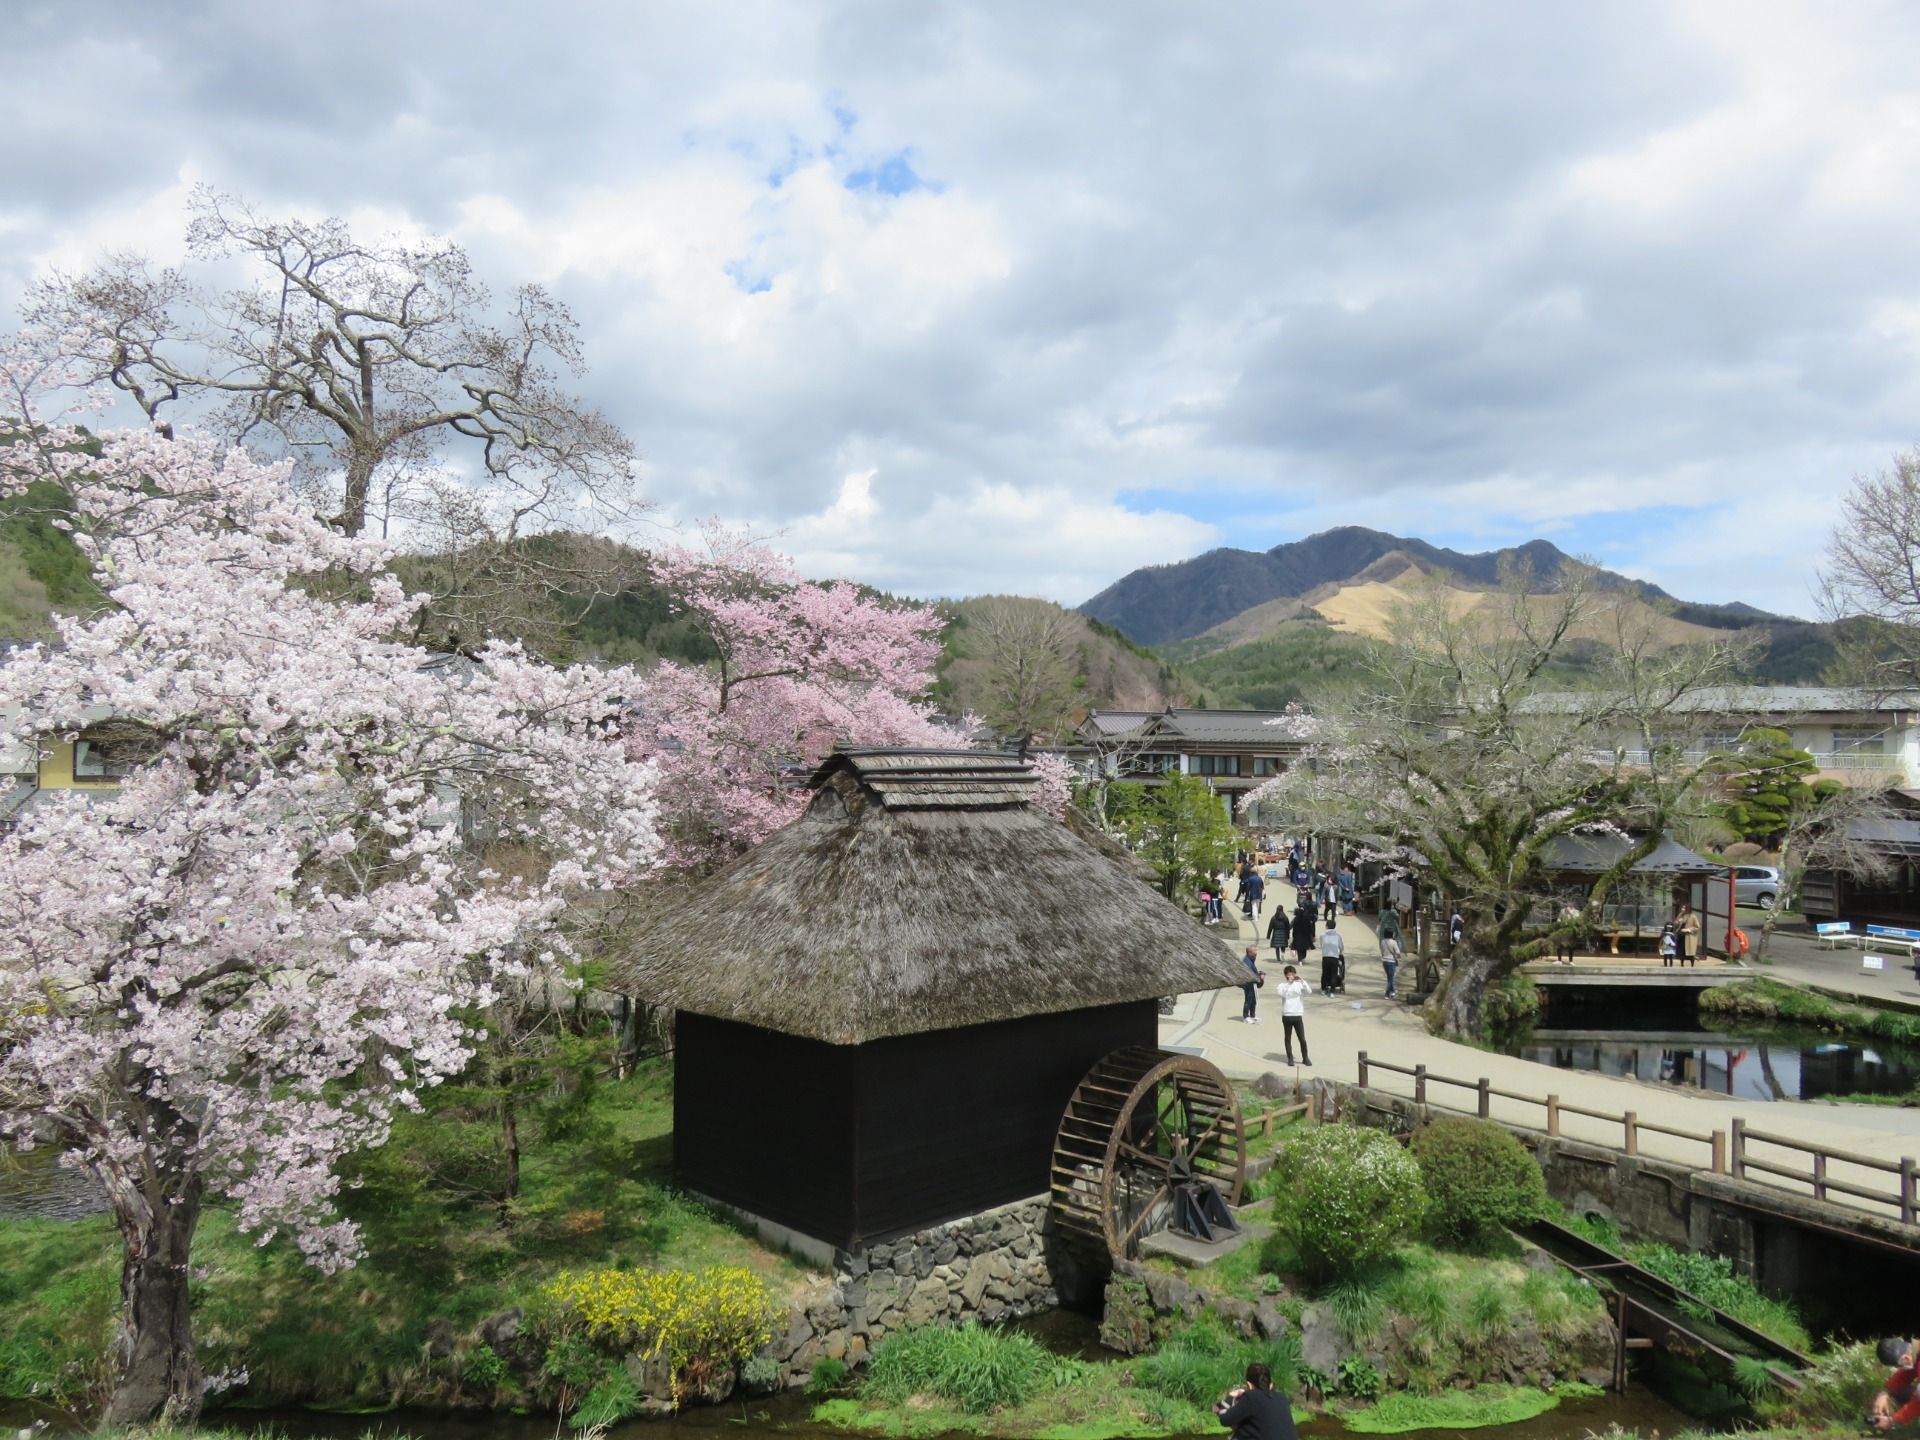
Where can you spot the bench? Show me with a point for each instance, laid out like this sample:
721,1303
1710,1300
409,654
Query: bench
1892,935
1834,932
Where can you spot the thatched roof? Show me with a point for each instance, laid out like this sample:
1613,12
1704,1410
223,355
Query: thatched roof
1594,854
919,891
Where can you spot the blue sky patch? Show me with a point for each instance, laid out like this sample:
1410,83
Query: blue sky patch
893,175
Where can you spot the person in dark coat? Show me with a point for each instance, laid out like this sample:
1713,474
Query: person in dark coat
1305,923
1255,1410
1280,930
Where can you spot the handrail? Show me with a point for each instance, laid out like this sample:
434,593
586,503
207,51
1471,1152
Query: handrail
1730,1159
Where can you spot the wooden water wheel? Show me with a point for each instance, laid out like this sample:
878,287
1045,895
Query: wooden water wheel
1113,1154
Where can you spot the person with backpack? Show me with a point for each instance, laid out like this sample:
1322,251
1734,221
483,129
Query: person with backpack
1250,988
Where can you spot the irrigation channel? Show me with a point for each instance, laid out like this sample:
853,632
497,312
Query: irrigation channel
1657,1036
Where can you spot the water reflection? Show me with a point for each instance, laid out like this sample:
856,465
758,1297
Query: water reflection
1769,1065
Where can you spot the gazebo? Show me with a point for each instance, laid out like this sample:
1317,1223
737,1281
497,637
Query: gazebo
1651,889
884,1009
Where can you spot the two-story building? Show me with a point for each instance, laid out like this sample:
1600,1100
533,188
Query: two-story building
1853,736
1235,751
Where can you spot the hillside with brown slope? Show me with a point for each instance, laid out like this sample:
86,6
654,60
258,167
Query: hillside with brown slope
1366,604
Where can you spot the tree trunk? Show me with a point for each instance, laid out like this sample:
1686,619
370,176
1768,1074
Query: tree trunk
510,1136
1458,1010
160,1377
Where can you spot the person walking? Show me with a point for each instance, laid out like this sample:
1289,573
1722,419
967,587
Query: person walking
1333,961
1303,930
1280,932
1390,960
1323,892
1346,887
1293,1014
1250,988
1687,924
1566,933
1389,922
1456,932
1256,889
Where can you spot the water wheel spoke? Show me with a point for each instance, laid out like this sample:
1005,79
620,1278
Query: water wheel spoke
1163,1193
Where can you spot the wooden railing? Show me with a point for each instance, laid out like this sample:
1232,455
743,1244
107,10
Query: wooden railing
1728,1152
1263,1123
1905,1196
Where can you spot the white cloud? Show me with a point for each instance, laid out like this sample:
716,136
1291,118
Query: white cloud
1492,271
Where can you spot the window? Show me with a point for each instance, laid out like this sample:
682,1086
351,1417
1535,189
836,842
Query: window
1267,765
99,760
1216,765
1151,764
1860,739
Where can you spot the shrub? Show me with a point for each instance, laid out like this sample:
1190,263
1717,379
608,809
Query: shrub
1478,1178
484,1368
614,1399
1711,1278
1201,1362
1359,1379
1345,1197
827,1376
970,1366
1510,1008
706,1320
761,1374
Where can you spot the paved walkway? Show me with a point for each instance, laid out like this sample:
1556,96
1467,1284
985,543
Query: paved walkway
1339,1028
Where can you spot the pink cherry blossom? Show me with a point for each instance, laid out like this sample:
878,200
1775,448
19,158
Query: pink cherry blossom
239,965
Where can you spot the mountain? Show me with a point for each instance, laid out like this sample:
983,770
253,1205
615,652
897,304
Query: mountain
1163,603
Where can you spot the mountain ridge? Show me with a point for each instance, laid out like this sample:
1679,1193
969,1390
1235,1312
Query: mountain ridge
1158,604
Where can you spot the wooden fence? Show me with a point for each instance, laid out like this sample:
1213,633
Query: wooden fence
1725,1152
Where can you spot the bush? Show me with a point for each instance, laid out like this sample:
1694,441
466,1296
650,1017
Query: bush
1345,1197
827,1376
1478,1178
1711,1278
970,1366
1201,1362
707,1320
761,1374
1359,1379
614,1399
484,1369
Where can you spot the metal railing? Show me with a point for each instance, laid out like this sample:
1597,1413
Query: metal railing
1728,1152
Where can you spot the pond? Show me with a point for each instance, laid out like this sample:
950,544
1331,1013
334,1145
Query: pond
36,1186
1628,1033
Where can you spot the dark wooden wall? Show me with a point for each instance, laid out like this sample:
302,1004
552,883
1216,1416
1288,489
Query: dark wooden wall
958,1121
764,1121
858,1144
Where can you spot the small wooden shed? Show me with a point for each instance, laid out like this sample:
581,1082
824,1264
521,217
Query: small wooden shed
884,1008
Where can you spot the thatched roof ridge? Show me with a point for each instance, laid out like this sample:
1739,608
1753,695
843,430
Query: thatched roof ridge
919,891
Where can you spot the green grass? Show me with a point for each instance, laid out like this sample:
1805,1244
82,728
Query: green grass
599,1196
969,1366
1455,1410
1771,1000
1711,1278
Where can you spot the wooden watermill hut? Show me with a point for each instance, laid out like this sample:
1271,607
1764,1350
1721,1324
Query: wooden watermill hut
885,1008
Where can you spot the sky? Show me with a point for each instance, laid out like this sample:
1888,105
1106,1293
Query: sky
997,297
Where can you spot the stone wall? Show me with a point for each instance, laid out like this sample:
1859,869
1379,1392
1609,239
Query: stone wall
997,1265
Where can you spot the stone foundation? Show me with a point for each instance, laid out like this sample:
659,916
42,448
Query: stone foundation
998,1265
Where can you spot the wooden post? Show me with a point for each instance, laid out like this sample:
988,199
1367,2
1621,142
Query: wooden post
1737,1162
1819,1174
1632,1123
1553,1116
1363,1069
1419,1084
1907,1199
1620,1345
1719,1152
1486,1098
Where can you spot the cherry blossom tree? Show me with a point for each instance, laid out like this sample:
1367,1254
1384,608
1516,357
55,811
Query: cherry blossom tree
799,666
1461,764
238,966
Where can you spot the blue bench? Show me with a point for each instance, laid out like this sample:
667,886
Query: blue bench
1834,931
1893,935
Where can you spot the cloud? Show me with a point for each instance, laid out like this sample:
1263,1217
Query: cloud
1479,274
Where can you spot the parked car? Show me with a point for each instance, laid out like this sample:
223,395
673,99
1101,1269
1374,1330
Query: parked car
1756,885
